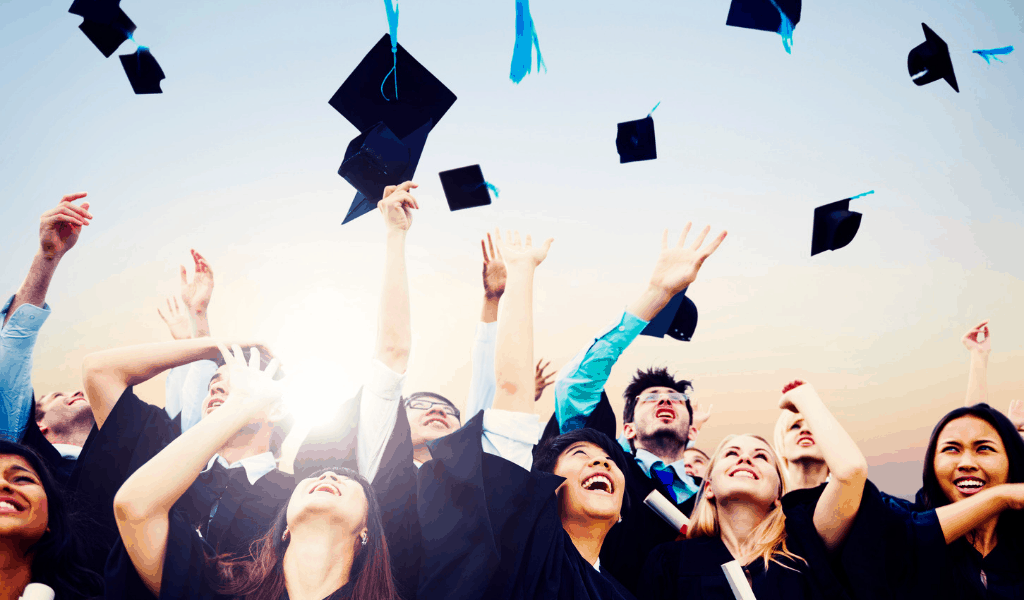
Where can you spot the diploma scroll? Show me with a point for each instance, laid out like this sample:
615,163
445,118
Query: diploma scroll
738,581
37,591
668,511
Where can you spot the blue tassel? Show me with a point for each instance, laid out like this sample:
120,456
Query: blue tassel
988,55
655,108
492,188
862,195
393,30
785,29
526,40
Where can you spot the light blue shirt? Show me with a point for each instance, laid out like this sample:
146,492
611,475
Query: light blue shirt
255,467
682,484
185,389
579,384
17,340
482,384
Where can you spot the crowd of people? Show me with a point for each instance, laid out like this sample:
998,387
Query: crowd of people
401,495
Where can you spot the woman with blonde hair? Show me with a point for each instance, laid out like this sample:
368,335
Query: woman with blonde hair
782,541
803,464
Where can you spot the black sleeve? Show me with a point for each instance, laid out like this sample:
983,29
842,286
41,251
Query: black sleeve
656,581
802,539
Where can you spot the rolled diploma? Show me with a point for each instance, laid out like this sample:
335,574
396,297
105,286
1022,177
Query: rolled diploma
668,511
738,581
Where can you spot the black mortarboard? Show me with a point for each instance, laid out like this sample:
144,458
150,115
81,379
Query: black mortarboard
143,71
465,187
374,160
414,143
105,24
762,15
678,319
421,97
834,226
635,140
930,61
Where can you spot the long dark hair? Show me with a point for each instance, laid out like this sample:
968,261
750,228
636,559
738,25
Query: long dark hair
1011,523
547,455
59,555
260,575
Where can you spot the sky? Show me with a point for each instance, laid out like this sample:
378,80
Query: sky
238,159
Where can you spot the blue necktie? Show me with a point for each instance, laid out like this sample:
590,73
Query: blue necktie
667,477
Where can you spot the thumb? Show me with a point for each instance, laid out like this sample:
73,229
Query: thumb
547,244
184,275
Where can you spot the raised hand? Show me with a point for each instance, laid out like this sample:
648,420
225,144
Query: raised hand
494,270
397,205
678,265
60,227
701,415
251,388
196,295
793,393
176,320
1016,414
519,255
977,339
541,379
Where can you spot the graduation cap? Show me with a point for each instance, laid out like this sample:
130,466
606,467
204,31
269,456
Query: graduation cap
635,140
465,187
420,97
105,24
835,225
375,160
143,71
364,202
763,15
678,319
930,61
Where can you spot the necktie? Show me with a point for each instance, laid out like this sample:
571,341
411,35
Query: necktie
212,484
667,478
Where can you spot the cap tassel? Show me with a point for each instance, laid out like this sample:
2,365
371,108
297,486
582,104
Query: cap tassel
526,40
392,11
785,29
861,195
993,53
490,188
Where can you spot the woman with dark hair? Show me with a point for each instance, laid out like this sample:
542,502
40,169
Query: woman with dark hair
492,529
327,542
38,539
964,538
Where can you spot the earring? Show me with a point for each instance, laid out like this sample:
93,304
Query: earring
285,535
364,539
620,519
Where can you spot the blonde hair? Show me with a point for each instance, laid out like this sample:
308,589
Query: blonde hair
769,538
786,420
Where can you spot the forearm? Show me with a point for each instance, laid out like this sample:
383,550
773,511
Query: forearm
650,303
201,323
37,282
513,364
489,313
481,381
958,518
845,461
394,332
977,379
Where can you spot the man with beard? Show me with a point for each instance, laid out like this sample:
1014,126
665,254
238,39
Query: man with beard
657,416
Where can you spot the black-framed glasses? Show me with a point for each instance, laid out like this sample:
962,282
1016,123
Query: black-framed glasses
425,404
673,397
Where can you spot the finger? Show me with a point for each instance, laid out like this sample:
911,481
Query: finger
237,351
176,309
65,219
71,210
161,314
529,241
406,186
715,243
388,190
169,310
538,364
686,232
664,239
483,248
85,205
547,244
77,218
229,359
519,241
184,275
548,364
254,358
272,367
710,406
700,238
73,197
490,243
77,209
982,324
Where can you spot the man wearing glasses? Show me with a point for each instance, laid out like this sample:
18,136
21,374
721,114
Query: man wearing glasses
657,417
431,416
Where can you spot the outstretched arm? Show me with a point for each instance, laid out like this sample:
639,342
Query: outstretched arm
394,333
977,342
513,363
26,311
481,382
839,502
579,384
958,518
1016,414
197,294
143,503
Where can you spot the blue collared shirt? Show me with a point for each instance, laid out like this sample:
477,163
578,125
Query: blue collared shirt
17,340
683,486
185,389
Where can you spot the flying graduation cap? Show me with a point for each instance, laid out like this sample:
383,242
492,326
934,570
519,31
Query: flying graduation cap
835,225
374,160
143,71
930,61
372,180
780,16
678,319
104,23
635,140
466,187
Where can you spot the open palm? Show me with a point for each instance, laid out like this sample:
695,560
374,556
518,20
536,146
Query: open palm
678,265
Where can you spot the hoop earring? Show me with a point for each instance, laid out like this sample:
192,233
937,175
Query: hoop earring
287,534
620,519
364,539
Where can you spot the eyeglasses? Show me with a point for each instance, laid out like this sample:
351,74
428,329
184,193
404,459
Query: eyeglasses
420,404
674,398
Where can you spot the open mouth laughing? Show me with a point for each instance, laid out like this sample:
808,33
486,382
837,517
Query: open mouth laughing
745,473
969,485
326,487
599,482
805,441
665,412
9,505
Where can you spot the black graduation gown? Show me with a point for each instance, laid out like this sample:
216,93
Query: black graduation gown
188,573
491,530
626,548
896,551
692,568
60,467
334,444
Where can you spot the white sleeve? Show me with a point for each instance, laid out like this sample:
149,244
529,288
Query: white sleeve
378,410
482,384
511,435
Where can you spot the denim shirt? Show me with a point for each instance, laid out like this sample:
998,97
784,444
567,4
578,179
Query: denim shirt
17,339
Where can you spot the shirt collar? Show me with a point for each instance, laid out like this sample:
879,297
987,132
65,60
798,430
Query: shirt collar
68,450
255,466
648,461
597,564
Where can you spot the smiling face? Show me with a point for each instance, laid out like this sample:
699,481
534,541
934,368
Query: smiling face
695,463
335,498
430,424
969,457
745,469
61,413
593,485
217,392
24,511
798,441
658,419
